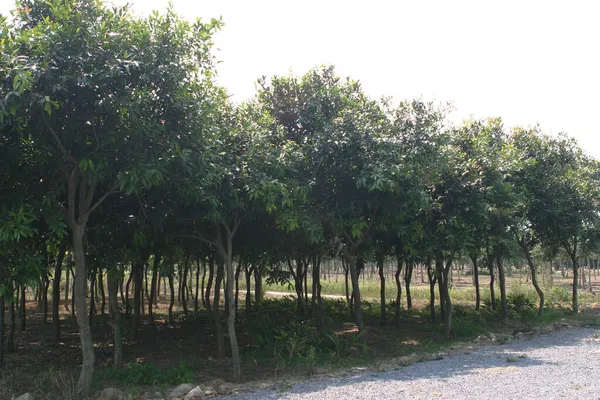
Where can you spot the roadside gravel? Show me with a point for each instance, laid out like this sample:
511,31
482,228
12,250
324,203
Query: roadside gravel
563,364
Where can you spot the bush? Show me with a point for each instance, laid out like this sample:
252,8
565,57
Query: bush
558,297
150,374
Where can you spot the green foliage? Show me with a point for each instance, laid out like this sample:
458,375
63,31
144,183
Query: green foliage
342,346
150,374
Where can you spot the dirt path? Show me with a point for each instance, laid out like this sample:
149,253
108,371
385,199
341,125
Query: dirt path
563,364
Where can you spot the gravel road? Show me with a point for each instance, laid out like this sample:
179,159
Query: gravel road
561,365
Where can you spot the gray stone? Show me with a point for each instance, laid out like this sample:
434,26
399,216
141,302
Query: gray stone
195,394
209,391
111,394
224,388
180,391
25,396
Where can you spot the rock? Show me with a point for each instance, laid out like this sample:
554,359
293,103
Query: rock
25,396
224,388
195,394
153,396
180,391
209,391
111,394
492,336
477,339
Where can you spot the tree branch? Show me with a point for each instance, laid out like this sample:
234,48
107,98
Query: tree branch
58,142
112,190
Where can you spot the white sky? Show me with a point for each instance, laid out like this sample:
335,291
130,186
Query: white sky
534,61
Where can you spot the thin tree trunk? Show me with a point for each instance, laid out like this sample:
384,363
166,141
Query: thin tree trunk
183,286
117,322
56,290
203,283
320,319
432,283
473,255
237,284
172,299
492,280
380,261
352,266
249,271
84,384
217,311
197,288
209,284
235,353
127,286
45,299
22,308
102,293
534,280
137,297
502,279
92,299
153,289
12,323
399,264
258,291
407,280
67,283
575,300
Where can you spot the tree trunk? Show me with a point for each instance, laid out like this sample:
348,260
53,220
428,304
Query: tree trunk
346,283
203,283
257,286
316,276
432,282
399,265
183,286
45,299
217,312
127,286
10,334
56,290
235,353
534,280
249,271
172,299
443,281
473,256
209,284
297,275
101,290
407,279
92,299
137,297
352,266
575,301
502,279
380,261
492,280
197,288
84,384
153,289
237,284
117,322
22,314
67,283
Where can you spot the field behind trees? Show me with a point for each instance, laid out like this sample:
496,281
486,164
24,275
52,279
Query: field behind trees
150,228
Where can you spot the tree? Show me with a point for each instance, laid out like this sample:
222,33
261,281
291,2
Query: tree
107,94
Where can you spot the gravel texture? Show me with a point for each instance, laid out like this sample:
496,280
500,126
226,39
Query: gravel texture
560,365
